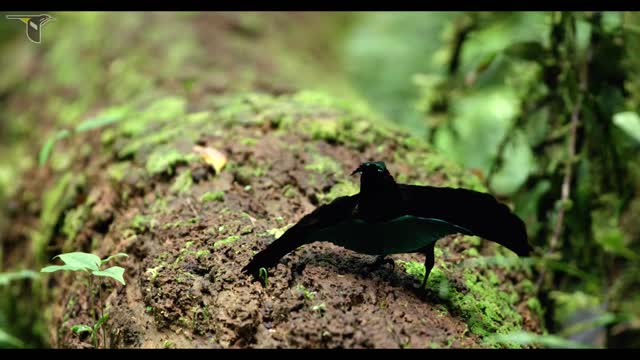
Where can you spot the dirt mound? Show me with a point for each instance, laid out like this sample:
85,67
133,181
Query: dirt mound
141,186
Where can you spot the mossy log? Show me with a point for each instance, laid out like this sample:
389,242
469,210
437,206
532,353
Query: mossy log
137,174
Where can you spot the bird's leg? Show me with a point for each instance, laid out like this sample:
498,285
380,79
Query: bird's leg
429,261
383,259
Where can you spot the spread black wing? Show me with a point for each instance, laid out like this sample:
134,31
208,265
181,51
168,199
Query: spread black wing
324,216
478,212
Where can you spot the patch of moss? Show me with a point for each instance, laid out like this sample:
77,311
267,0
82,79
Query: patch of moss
118,171
212,196
74,220
163,109
226,241
323,165
182,183
141,223
164,160
248,141
54,202
202,253
342,188
324,129
487,309
289,192
277,232
156,137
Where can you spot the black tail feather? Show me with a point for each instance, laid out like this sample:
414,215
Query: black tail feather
297,235
479,212
275,251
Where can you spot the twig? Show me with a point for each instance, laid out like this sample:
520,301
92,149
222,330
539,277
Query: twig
566,182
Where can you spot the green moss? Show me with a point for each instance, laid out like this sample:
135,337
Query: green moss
487,309
155,138
202,253
154,272
212,196
323,165
74,220
118,171
163,160
289,192
182,183
141,223
164,109
342,188
324,129
54,202
277,232
248,141
226,241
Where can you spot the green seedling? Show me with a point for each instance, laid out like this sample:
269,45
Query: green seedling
309,295
92,265
262,274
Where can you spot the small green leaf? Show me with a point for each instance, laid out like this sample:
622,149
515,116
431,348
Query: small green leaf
101,321
98,122
81,260
629,122
48,146
104,261
528,338
54,268
8,339
115,272
80,328
6,278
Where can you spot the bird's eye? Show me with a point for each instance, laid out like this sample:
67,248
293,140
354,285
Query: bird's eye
379,170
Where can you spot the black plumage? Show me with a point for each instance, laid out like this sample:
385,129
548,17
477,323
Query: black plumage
386,218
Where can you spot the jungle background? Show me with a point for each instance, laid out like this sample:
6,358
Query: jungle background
167,136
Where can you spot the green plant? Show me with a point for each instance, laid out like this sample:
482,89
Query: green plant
309,295
110,117
12,334
91,264
262,273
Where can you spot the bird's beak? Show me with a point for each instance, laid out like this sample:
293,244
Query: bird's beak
358,170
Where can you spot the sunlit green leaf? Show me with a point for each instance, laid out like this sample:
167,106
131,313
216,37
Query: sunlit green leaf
629,122
101,321
81,260
48,145
528,338
11,341
97,122
53,268
80,328
104,261
114,272
6,278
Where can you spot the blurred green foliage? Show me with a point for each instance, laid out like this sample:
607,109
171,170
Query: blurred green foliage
544,106
499,93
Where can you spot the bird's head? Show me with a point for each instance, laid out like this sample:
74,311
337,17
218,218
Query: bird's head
374,174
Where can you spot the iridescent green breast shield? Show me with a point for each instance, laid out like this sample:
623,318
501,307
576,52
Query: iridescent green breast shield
402,235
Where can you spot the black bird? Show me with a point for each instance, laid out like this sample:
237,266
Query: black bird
389,218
